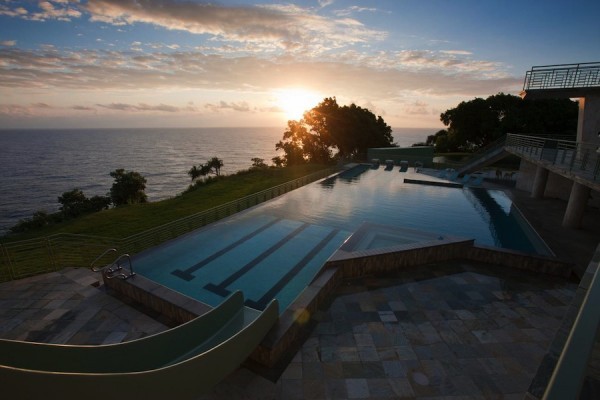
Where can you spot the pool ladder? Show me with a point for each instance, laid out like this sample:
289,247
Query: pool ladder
115,270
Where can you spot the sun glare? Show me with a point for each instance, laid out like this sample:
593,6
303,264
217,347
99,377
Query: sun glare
294,102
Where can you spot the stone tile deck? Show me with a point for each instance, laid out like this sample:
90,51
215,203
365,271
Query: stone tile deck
458,330
69,307
455,331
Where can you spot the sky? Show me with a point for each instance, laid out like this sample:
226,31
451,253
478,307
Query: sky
176,63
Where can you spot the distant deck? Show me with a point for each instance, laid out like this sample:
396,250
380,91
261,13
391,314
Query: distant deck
563,80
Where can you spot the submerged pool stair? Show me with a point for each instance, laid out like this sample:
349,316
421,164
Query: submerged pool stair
181,363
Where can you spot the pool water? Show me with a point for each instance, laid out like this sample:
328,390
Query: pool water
275,249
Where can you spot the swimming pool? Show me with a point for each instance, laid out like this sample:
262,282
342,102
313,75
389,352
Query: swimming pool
276,248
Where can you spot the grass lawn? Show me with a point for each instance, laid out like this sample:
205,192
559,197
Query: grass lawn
124,221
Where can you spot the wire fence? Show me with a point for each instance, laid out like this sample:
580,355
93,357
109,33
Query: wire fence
34,256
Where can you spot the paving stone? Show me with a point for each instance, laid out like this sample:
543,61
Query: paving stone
445,331
357,388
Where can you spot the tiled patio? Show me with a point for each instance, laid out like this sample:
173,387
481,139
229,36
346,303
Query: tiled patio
438,331
68,307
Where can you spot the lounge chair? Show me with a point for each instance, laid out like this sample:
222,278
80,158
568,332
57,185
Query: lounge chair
403,166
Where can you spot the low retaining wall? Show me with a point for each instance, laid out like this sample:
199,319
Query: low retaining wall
515,259
173,305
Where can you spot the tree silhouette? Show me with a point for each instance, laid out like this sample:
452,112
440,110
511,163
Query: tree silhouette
212,166
476,123
328,131
215,164
128,187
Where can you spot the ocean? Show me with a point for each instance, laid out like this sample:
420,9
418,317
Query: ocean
39,165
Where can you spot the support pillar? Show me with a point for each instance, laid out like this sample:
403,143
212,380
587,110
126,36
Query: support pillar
539,182
588,121
576,206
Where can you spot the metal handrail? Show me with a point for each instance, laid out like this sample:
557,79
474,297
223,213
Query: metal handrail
578,158
570,371
116,266
482,152
98,258
563,76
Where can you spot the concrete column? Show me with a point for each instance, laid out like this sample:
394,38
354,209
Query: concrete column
588,122
576,206
539,182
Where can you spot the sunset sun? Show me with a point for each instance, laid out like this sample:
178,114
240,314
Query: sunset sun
294,102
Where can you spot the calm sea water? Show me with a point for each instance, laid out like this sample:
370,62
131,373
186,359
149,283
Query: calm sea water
37,166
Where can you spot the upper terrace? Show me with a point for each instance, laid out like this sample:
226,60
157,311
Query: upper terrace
562,80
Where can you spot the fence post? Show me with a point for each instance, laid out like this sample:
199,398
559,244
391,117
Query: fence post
5,254
51,256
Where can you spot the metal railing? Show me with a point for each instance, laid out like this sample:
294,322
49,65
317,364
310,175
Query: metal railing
483,153
563,76
30,257
114,270
577,158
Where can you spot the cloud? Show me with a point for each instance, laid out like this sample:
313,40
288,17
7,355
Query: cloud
223,105
83,108
353,10
16,12
325,3
287,26
382,75
457,52
142,107
417,108
61,10
25,110
8,43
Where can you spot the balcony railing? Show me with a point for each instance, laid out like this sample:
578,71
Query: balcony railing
577,158
563,76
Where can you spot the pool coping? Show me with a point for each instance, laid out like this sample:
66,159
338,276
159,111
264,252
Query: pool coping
295,323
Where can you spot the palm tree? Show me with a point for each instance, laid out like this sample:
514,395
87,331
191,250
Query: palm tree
194,173
216,164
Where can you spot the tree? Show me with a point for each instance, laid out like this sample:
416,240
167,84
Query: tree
212,166
476,123
258,163
39,219
74,203
329,129
128,188
194,173
215,164
278,161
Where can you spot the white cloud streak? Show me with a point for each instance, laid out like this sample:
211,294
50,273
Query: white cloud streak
379,75
287,27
